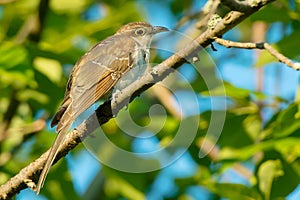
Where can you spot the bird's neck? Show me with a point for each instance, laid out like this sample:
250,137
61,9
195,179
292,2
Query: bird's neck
142,43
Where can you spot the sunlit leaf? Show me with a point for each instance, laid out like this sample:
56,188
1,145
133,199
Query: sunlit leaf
252,125
27,94
69,6
19,79
264,58
50,68
246,152
239,94
289,148
11,55
235,191
115,186
267,172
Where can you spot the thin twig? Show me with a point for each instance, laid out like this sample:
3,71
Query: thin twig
263,45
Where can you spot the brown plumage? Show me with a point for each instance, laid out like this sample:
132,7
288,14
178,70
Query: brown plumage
94,75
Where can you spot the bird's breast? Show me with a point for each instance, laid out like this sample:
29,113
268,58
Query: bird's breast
140,59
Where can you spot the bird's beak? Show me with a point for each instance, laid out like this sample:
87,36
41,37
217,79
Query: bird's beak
158,29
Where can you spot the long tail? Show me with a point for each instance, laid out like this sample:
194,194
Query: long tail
65,123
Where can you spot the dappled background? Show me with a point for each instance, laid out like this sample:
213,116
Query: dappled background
257,153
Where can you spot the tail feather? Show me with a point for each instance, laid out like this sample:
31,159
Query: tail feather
63,128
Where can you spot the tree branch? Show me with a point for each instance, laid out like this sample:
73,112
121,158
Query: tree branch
263,45
104,112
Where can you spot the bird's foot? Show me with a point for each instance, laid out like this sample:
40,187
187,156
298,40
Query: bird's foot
115,96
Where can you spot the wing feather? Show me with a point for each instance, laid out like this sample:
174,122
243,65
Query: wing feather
90,78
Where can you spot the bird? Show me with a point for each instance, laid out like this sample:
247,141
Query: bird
96,73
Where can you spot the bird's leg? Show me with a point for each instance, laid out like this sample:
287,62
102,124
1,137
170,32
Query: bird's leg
115,95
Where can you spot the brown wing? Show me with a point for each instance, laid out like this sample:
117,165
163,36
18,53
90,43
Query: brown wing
83,96
93,76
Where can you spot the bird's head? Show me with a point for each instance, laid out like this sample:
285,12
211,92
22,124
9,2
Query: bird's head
142,32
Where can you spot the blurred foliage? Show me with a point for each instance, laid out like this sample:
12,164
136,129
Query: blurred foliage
40,41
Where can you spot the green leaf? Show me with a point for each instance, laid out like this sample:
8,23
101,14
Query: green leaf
270,14
267,172
11,55
234,191
17,78
49,67
115,185
236,93
288,44
286,122
178,5
285,184
252,124
250,150
69,6
265,58
234,134
289,148
26,94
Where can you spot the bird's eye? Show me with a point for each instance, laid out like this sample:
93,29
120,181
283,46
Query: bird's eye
140,31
